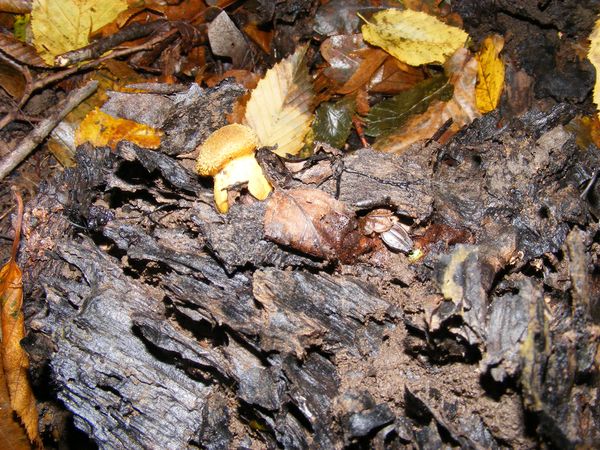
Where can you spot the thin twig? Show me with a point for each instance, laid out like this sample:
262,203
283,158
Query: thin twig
44,128
97,48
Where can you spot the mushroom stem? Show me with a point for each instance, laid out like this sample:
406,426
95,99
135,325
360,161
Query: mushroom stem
244,169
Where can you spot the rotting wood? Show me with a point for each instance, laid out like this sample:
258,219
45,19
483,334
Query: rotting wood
167,324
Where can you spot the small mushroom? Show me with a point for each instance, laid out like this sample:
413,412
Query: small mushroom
228,156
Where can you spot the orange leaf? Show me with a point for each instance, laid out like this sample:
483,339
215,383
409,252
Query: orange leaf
101,129
14,359
261,38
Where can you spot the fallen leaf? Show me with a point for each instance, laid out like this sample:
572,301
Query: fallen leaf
392,113
15,361
342,54
280,108
594,57
461,109
20,51
462,71
333,122
101,129
490,74
227,40
22,27
60,26
15,6
111,76
13,436
437,8
394,76
259,37
413,37
11,80
371,60
311,221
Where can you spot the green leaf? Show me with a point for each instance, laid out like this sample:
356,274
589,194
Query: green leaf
333,122
390,114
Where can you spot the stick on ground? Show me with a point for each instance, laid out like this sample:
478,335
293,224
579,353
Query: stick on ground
44,128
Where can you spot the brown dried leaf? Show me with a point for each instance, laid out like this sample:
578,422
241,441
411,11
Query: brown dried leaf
341,52
15,362
20,51
372,58
15,6
259,37
12,81
394,77
12,435
310,221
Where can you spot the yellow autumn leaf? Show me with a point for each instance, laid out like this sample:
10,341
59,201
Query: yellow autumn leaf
413,37
60,26
490,74
280,107
594,57
101,129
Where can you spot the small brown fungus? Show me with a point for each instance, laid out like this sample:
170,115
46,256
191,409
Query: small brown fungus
228,156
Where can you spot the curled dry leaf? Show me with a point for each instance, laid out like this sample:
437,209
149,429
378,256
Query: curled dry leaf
15,362
372,59
312,222
280,108
11,80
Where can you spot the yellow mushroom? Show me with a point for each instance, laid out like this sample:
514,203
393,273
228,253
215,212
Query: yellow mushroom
228,156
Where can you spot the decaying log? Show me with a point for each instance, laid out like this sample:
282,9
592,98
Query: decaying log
167,325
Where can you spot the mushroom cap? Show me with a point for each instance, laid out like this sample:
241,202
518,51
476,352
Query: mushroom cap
224,145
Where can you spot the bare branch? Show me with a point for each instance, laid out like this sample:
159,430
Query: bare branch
44,128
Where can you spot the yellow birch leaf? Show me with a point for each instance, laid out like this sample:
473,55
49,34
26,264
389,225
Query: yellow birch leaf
413,37
101,129
280,107
594,57
60,26
15,362
490,74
